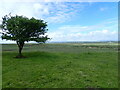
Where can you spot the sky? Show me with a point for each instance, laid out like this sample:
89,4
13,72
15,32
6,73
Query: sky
69,21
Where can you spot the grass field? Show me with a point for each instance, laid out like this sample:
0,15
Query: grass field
66,65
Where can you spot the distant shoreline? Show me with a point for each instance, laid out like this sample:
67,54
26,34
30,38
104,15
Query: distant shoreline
71,42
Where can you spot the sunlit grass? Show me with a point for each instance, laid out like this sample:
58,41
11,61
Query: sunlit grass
60,66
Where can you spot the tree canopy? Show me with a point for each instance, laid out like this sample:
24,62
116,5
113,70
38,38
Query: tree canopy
21,29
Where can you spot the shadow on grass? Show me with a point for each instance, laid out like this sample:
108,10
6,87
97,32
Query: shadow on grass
36,55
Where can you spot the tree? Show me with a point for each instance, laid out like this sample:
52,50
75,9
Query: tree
22,29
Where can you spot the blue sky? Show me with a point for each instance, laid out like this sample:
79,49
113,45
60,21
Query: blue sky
71,21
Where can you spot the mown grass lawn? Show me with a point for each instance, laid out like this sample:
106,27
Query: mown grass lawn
60,66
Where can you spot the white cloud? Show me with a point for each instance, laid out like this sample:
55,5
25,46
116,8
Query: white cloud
62,12
110,24
103,8
60,17
52,12
41,9
82,33
103,31
60,0
59,12
98,35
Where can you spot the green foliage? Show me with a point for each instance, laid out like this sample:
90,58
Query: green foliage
19,28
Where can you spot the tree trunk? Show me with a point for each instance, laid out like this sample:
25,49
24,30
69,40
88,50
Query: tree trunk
20,51
20,45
